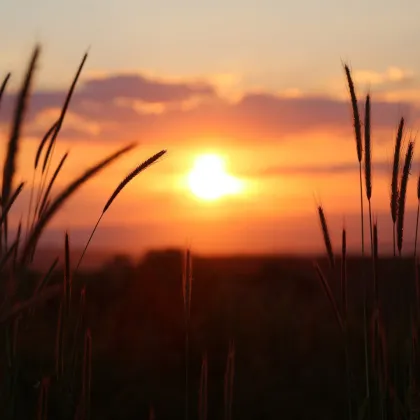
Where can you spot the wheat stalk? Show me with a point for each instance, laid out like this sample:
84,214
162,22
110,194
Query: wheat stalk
117,191
20,111
326,235
403,193
368,165
359,147
394,182
55,132
62,197
13,145
417,217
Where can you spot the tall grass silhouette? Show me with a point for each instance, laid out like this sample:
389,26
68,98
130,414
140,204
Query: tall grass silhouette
72,353
71,373
381,390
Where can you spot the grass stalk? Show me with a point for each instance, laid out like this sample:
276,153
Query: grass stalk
394,182
117,191
326,236
417,218
402,195
368,166
187,279
359,146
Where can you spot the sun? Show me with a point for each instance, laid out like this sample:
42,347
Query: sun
209,181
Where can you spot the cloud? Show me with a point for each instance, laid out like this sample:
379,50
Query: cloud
392,75
108,90
380,168
138,87
128,106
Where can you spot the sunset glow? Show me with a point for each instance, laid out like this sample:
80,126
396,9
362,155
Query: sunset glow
254,129
209,181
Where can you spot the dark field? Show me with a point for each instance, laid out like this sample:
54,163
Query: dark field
289,359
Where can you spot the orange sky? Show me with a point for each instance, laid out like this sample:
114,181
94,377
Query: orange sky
289,152
276,112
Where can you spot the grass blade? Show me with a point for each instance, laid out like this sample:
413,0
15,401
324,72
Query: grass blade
67,276
326,235
356,117
131,176
50,185
8,206
63,196
368,150
43,142
403,193
3,85
417,217
13,145
114,195
394,182
63,112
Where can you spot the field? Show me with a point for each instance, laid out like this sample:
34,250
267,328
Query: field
177,335
287,340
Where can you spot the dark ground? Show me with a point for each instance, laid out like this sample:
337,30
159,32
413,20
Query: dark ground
289,353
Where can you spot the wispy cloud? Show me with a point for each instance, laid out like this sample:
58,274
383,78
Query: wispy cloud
392,75
382,168
117,107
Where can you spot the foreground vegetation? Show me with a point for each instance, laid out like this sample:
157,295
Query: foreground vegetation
46,366
71,374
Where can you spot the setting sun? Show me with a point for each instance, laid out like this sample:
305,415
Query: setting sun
209,180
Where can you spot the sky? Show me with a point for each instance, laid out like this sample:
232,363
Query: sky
260,84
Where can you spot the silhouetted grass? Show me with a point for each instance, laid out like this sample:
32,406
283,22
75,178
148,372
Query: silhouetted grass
69,378
15,262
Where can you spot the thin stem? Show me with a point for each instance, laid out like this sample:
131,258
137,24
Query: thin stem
186,367
417,229
346,349
365,288
393,238
88,242
30,205
361,208
371,229
365,333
